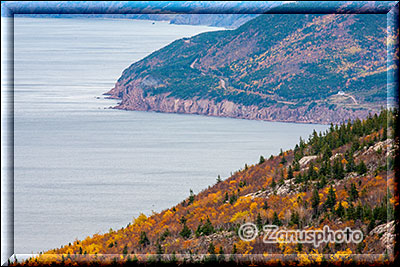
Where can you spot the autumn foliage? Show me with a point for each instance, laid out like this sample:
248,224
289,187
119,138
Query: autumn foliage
329,189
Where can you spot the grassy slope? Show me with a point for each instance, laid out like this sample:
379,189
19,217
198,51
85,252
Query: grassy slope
273,58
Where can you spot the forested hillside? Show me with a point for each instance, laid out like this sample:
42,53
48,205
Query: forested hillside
340,178
287,67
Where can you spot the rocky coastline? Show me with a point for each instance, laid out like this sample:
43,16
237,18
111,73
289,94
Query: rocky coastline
133,99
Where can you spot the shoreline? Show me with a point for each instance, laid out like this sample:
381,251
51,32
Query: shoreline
319,115
214,116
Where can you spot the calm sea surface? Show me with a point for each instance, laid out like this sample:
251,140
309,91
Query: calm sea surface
81,168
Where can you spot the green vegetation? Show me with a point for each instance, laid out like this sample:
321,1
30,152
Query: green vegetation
345,183
300,58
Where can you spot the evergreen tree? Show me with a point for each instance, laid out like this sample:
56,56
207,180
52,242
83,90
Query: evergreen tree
337,169
208,228
353,192
371,224
340,210
259,221
296,166
221,256
361,168
350,212
290,173
315,201
299,178
331,199
165,234
183,220
234,249
327,153
233,199
384,134
226,197
350,166
159,251
312,174
191,197
144,241
283,160
276,221
265,206
273,183
294,218
186,232
355,145
359,212
205,229
211,250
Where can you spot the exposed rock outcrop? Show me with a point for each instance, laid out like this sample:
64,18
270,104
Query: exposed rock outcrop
133,98
386,235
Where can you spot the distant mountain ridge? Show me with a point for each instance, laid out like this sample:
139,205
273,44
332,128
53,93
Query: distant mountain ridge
230,14
229,21
284,67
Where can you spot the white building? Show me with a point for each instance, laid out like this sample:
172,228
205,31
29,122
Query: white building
341,93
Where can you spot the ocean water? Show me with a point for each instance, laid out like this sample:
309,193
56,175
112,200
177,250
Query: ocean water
82,168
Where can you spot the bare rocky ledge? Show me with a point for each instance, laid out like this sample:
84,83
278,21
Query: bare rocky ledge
132,98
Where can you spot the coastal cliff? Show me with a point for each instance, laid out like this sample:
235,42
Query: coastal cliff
276,67
319,114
